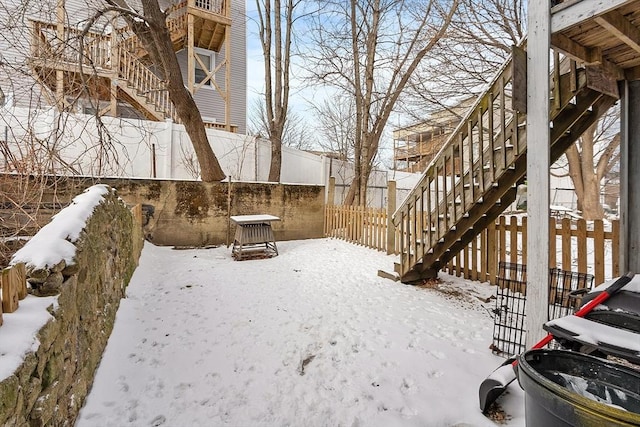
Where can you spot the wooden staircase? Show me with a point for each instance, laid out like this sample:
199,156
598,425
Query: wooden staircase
115,67
474,176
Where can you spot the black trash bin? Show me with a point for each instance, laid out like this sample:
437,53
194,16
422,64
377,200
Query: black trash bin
564,388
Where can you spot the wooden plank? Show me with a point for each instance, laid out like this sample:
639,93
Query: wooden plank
598,244
21,280
599,80
523,243
576,51
502,238
620,27
492,252
465,257
553,256
9,290
474,258
581,238
513,239
564,17
519,72
615,248
391,208
503,128
566,243
557,101
484,256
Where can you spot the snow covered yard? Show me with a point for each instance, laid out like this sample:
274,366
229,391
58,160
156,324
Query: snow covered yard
309,338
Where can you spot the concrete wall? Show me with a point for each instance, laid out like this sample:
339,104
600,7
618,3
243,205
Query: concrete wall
50,386
190,212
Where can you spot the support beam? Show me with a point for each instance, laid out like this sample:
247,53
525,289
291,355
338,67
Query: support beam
567,16
620,27
538,142
227,78
60,12
630,176
589,56
582,54
191,62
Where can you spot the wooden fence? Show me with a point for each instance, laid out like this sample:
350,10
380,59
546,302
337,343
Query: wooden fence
13,281
576,245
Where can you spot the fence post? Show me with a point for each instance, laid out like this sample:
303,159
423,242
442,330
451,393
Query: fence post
391,208
9,290
492,252
331,191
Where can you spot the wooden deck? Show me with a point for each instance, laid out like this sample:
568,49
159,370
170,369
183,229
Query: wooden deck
115,67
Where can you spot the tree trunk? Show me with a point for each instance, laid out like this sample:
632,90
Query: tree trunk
275,166
157,41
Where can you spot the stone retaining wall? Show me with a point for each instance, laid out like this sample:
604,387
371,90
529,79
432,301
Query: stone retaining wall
193,213
50,386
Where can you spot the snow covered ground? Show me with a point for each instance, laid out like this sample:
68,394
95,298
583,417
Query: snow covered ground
311,337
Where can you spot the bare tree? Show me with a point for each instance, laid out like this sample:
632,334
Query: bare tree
336,125
590,159
295,134
369,49
149,25
275,26
479,40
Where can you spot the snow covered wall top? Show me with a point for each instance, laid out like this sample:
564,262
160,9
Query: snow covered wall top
55,241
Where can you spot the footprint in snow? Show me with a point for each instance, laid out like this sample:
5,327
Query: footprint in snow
158,421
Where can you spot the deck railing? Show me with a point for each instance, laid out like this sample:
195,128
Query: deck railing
94,50
146,83
76,47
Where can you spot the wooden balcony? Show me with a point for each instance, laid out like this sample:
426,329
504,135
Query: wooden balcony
114,66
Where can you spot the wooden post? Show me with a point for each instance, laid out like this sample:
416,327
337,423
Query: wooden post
630,177
191,62
21,280
391,208
9,290
227,75
331,191
59,73
115,67
615,248
538,45
492,252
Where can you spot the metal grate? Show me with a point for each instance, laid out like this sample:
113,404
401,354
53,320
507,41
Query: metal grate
561,285
509,328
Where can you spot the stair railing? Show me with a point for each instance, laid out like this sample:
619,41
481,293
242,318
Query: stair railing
463,168
146,83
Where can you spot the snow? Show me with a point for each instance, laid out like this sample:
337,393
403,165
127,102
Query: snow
54,241
310,337
632,286
18,332
591,332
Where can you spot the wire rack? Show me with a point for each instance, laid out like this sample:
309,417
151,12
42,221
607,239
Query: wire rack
509,328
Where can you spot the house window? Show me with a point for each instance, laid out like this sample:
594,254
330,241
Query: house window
208,60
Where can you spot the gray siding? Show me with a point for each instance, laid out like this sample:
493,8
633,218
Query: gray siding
208,100
15,40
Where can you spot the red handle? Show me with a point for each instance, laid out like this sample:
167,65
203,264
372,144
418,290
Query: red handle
608,292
